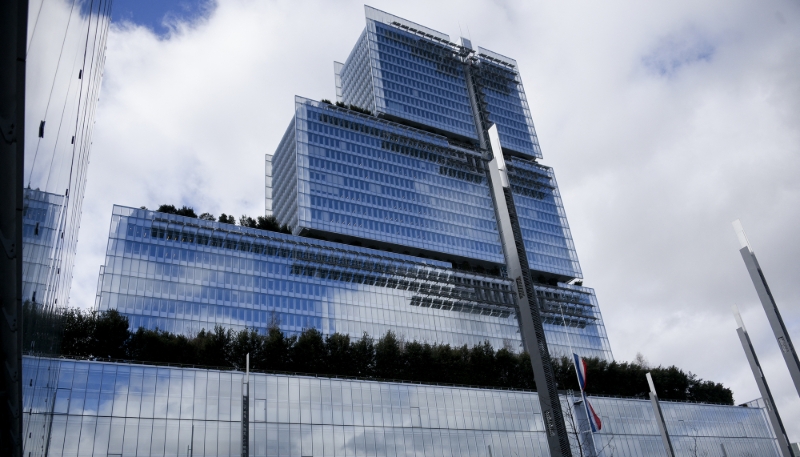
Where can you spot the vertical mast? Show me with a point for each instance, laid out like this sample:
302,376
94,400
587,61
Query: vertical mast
763,387
662,426
246,409
770,307
530,322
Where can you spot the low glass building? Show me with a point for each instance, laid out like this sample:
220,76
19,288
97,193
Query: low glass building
104,409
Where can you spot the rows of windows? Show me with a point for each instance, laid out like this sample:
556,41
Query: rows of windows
43,226
104,409
284,185
543,224
572,321
373,180
193,268
166,279
416,84
356,77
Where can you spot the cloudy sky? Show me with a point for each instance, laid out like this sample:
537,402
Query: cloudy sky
664,122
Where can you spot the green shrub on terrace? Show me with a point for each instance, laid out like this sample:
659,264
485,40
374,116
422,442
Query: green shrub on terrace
105,335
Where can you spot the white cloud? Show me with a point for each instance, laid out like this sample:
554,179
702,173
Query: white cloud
664,122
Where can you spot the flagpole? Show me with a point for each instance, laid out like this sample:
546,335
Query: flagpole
583,394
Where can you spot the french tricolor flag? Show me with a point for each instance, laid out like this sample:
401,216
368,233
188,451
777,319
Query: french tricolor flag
580,368
594,419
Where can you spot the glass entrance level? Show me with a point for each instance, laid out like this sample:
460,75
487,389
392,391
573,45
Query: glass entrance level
344,173
137,410
182,275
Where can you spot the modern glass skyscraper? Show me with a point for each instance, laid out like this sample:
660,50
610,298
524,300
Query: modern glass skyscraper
397,224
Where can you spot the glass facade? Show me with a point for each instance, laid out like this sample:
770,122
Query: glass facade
182,274
64,69
404,71
135,410
394,228
502,100
64,73
344,173
572,321
543,222
43,248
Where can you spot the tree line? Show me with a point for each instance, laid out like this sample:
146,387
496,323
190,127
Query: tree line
106,335
261,222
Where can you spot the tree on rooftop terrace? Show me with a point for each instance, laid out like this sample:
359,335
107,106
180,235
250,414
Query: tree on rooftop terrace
225,219
182,211
207,217
245,342
92,334
213,347
388,356
161,347
274,353
95,334
340,357
363,352
309,352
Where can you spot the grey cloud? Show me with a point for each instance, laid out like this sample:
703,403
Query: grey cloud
652,169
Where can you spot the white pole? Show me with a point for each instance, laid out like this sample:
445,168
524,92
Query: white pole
583,397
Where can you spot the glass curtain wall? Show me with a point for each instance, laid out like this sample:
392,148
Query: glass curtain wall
134,410
542,220
182,274
371,179
64,68
66,54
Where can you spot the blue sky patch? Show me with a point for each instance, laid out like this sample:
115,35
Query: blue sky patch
153,13
679,50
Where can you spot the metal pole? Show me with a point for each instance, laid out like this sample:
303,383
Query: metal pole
13,41
763,387
662,426
530,321
191,443
770,307
246,409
